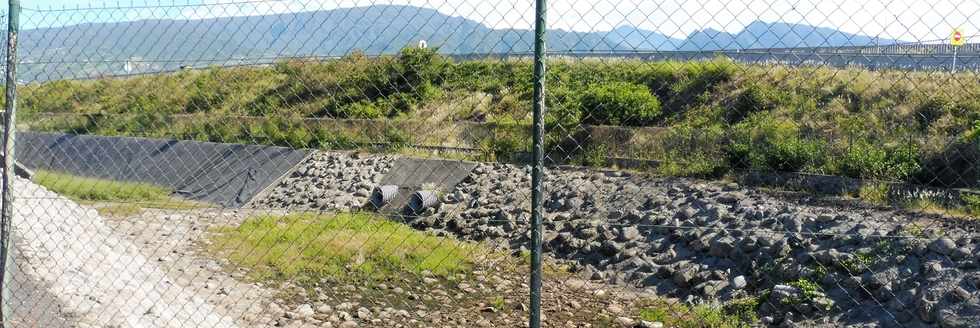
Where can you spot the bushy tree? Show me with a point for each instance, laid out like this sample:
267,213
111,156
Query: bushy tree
619,103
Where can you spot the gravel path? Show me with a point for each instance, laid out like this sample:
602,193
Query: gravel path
100,276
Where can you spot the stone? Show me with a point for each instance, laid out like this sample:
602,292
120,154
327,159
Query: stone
624,322
944,246
960,253
629,233
650,324
792,224
363,314
739,282
304,311
683,278
348,324
785,293
722,247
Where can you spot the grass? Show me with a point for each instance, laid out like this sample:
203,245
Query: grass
966,211
736,314
345,247
874,193
116,198
119,210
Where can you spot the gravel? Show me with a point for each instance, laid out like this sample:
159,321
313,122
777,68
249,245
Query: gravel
328,181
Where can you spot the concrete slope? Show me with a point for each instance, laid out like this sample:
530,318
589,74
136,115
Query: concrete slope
98,276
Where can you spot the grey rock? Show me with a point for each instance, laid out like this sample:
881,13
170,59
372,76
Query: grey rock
629,233
944,246
650,324
684,277
739,282
304,311
625,322
722,247
785,293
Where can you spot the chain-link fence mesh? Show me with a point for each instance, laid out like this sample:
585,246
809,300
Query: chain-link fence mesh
287,163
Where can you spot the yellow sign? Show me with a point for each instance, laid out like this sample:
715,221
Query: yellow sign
957,39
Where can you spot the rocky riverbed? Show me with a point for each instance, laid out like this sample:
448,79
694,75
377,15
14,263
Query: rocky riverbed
806,261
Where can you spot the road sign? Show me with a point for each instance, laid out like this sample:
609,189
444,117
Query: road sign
957,39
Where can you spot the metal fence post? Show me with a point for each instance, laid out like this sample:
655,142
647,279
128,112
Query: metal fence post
6,215
537,166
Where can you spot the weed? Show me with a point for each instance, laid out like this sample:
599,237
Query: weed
738,314
972,203
595,156
874,193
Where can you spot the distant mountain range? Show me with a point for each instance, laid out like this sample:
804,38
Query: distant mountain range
776,35
97,48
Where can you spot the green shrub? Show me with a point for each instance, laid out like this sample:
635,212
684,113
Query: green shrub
766,143
694,151
595,155
699,77
756,97
973,135
866,160
363,109
564,108
507,142
972,203
619,103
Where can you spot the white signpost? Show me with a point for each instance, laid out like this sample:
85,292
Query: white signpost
957,40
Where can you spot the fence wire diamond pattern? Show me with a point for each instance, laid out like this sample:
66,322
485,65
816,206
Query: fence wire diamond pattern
364,163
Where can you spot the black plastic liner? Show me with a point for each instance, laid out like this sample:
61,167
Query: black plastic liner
223,174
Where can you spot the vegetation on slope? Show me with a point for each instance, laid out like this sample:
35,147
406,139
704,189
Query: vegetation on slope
714,116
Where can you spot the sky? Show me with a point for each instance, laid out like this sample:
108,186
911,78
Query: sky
910,20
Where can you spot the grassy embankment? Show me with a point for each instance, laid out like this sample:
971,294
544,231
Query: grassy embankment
705,118
112,198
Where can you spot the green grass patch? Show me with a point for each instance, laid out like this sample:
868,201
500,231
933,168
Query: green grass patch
99,190
737,314
969,209
345,247
119,210
121,197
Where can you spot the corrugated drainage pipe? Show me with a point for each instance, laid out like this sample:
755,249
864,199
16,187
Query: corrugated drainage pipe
422,200
382,195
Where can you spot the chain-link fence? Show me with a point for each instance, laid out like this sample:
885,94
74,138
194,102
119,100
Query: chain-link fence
263,163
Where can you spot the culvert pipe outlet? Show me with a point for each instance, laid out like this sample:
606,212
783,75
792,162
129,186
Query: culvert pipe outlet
383,195
422,200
